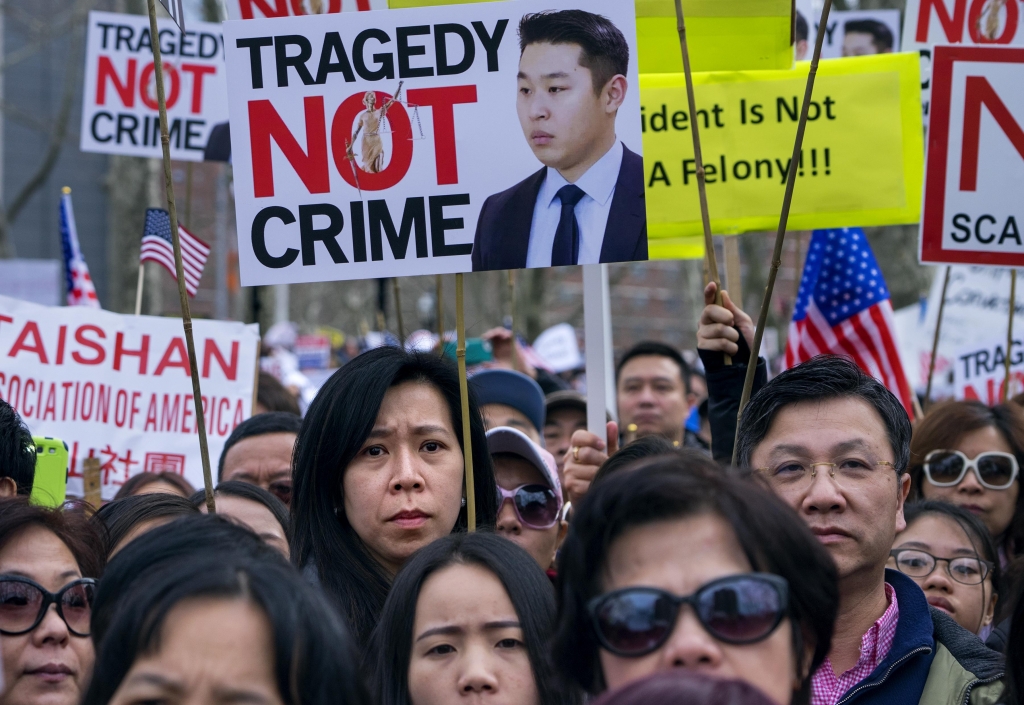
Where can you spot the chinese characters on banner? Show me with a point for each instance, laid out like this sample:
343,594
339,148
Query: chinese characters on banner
118,387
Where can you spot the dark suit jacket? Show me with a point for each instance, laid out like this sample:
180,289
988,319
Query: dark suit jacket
503,229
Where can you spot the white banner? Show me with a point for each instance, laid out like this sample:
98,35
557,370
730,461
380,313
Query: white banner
118,388
259,9
397,143
119,109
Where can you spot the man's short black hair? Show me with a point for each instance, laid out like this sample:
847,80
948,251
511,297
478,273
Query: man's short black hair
824,378
17,449
881,36
259,425
605,51
801,28
651,347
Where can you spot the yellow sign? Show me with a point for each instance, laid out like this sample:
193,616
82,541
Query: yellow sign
862,161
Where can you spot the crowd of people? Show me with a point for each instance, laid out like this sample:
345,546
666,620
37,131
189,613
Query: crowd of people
847,557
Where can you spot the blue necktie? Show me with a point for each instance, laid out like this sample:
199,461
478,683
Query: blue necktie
567,237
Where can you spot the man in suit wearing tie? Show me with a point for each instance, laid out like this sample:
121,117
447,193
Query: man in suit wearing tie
587,204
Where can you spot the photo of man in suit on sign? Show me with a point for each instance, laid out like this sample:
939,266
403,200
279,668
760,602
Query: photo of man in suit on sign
586,205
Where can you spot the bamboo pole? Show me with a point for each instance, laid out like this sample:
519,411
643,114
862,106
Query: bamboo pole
186,316
1009,333
138,289
512,316
733,277
935,339
780,235
398,308
467,441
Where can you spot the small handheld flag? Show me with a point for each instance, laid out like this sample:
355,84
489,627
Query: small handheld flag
843,308
157,246
81,291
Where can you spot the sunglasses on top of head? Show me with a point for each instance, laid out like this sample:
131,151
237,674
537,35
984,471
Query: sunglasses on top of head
738,609
994,469
537,506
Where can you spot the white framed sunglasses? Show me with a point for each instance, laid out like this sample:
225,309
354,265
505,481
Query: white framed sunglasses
994,469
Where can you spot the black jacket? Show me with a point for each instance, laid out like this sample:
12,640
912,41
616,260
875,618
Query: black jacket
725,387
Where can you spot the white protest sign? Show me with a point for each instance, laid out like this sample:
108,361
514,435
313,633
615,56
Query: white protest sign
259,9
973,210
979,370
118,387
928,23
559,347
401,143
119,111
851,32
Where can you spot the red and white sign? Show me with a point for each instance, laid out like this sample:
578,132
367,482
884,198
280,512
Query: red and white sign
973,205
119,111
928,23
259,9
118,387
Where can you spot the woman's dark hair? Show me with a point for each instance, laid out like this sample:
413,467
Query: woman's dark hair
977,534
640,449
1014,678
772,537
136,483
528,588
336,425
315,662
68,523
253,493
259,425
945,425
180,539
274,396
685,686
824,378
119,517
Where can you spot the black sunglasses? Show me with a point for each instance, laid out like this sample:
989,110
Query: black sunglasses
23,604
738,609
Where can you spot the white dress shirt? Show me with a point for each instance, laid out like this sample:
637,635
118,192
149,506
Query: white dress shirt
598,183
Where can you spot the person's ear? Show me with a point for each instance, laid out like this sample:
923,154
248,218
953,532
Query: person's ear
8,487
614,93
901,500
989,609
563,529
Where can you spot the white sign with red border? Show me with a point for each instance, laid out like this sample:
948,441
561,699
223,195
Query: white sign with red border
973,196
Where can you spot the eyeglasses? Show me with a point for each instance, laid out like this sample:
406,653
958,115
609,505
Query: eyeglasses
282,490
23,604
920,564
738,609
994,469
537,506
798,475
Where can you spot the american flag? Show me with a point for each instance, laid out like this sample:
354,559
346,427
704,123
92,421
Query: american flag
158,247
843,308
81,291
176,11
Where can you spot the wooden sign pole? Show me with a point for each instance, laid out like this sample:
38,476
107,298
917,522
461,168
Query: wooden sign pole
467,440
780,235
186,316
1009,333
935,340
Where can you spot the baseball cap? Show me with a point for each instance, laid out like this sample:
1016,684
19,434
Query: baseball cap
513,389
511,440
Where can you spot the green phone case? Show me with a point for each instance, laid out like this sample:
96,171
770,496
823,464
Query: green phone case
50,483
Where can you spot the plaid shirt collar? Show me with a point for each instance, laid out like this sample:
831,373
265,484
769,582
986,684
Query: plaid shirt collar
827,688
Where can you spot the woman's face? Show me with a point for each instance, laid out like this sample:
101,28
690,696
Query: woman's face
210,650
972,606
49,665
255,516
649,555
994,507
467,642
403,489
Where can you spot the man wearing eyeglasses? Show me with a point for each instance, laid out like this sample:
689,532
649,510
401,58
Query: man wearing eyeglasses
834,444
529,494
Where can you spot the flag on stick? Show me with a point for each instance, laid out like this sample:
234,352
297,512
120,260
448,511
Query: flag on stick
176,11
843,308
157,246
81,291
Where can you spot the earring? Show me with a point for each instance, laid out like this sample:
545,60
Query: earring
463,501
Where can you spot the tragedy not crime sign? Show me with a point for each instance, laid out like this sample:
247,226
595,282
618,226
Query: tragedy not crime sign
120,114
973,211
118,387
259,9
435,140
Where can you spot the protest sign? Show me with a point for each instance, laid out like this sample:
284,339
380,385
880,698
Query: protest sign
258,9
973,213
870,31
119,111
406,142
980,22
117,387
979,370
861,161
